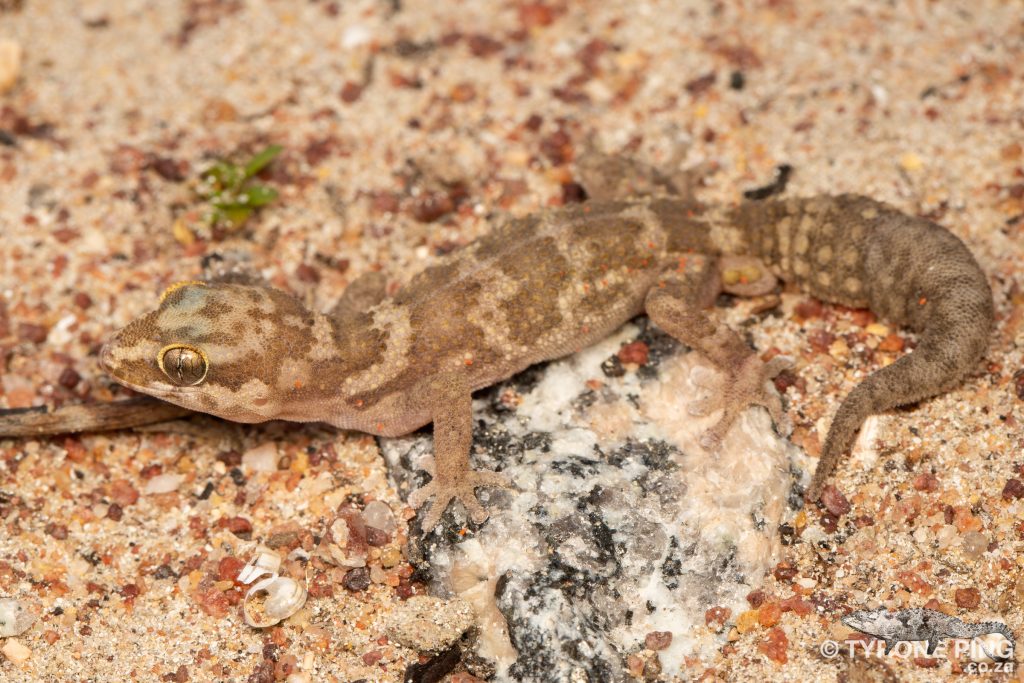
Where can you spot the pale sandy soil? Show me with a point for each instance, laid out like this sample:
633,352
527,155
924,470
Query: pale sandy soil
406,126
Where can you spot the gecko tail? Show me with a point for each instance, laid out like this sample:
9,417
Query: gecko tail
987,627
953,338
883,390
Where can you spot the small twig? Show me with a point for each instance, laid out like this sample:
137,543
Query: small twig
95,417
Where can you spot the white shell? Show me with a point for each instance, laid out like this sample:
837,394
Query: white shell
14,618
265,562
273,599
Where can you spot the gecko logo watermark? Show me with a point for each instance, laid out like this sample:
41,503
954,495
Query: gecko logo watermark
923,632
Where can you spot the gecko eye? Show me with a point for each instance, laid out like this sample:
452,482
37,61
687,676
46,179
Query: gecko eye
184,365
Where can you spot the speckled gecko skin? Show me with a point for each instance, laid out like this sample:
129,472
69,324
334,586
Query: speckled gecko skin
552,283
916,624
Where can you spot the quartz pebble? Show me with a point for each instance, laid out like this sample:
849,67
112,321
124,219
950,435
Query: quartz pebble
429,624
163,483
10,64
14,618
378,515
975,543
262,458
15,651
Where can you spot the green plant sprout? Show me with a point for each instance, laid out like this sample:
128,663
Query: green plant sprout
232,194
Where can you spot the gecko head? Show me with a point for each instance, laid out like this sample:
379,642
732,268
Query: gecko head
864,618
226,349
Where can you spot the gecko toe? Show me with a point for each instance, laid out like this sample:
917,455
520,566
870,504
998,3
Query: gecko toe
772,402
476,511
421,495
488,478
776,365
432,517
462,488
703,407
711,439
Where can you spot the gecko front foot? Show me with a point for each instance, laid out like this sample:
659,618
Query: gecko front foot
749,384
442,490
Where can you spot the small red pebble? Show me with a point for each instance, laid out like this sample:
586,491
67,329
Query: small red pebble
372,657
58,531
307,273
892,343
785,572
820,340
968,598
69,378
769,614
862,317
212,601
536,15
150,471
122,492
634,352
34,333
756,598
914,583
350,92
807,309
797,605
239,526
716,617
658,640
228,568
483,46
557,147
928,662
1014,489
834,501
429,207
775,645
76,451
463,92
926,481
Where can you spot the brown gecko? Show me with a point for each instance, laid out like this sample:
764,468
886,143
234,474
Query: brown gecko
548,285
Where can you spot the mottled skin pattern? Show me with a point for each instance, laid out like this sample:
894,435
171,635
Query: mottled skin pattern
550,284
918,624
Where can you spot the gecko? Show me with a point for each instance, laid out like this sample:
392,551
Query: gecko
929,625
548,284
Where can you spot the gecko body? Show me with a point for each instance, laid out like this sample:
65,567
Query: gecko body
547,285
922,624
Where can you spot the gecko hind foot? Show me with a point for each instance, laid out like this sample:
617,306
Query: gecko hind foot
461,488
750,384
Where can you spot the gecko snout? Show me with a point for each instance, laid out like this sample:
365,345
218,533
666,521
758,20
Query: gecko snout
107,358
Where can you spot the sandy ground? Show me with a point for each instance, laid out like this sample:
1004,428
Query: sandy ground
406,127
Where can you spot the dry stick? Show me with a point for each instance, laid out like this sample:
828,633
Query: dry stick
95,417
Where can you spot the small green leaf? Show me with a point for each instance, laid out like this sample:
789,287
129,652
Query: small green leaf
234,216
258,195
260,161
223,175
232,199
